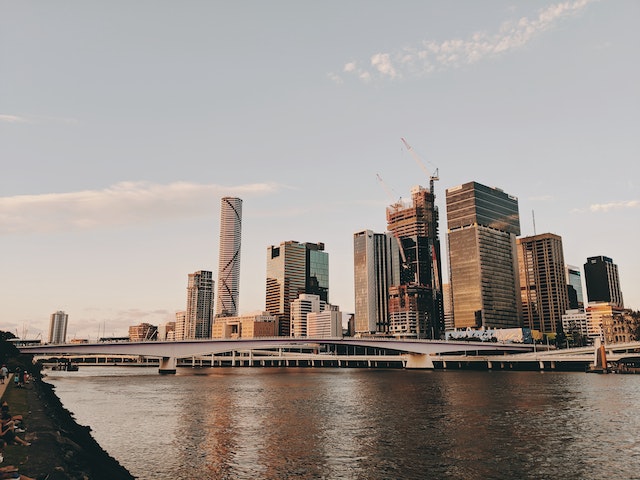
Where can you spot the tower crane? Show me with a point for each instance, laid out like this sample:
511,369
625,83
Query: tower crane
405,264
432,177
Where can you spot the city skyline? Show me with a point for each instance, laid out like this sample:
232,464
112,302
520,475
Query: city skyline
116,149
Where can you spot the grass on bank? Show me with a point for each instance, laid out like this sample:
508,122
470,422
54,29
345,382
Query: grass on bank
17,399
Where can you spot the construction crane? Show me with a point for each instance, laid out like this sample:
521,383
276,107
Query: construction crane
386,188
415,156
405,264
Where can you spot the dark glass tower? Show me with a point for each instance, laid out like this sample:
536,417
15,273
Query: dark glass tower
483,223
294,268
603,282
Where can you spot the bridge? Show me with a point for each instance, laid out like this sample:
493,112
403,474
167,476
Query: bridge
418,353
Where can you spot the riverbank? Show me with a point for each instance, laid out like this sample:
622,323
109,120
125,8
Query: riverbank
59,446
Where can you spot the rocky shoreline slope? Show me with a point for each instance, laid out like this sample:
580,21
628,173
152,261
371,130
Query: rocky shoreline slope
59,446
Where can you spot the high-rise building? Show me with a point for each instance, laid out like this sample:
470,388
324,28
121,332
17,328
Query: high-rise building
199,314
483,223
574,287
415,226
229,258
292,269
602,280
376,267
543,283
58,327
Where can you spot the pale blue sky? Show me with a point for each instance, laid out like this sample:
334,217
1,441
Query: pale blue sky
123,123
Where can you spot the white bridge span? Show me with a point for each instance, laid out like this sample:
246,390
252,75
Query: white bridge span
419,351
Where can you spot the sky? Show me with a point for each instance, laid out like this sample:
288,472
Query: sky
122,124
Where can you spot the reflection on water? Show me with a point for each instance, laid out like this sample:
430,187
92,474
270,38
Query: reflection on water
275,423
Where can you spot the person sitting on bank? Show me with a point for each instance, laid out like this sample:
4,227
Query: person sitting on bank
4,410
8,433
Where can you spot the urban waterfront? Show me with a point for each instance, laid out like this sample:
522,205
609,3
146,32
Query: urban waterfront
326,423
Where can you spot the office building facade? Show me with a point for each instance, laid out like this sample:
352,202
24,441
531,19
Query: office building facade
198,319
229,257
58,327
574,287
543,282
326,323
300,308
253,325
602,280
376,261
483,223
294,268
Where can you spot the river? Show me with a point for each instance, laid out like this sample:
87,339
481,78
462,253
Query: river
326,423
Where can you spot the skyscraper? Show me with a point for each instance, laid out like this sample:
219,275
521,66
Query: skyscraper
483,223
198,318
543,283
294,268
376,263
58,327
229,258
415,226
574,287
603,282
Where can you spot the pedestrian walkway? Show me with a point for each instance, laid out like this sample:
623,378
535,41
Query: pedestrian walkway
3,386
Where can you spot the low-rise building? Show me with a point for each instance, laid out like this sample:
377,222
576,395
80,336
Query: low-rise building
253,325
142,332
325,324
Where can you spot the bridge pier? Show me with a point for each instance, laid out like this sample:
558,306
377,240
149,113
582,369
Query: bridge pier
167,365
419,360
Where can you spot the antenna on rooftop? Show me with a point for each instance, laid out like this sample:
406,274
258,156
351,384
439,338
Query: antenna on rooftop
533,215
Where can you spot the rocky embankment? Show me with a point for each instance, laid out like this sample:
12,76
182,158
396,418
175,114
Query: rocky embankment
59,446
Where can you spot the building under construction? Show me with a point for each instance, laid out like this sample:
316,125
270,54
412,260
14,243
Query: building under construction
415,305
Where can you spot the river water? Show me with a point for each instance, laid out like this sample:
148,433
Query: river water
324,423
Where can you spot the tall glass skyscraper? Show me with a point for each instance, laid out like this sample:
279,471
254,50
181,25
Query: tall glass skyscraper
574,285
483,223
294,268
376,262
229,258
603,282
199,314
543,283
58,327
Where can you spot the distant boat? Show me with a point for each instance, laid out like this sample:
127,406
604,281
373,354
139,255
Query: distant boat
65,366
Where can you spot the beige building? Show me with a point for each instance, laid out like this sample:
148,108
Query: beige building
325,324
142,332
611,323
253,325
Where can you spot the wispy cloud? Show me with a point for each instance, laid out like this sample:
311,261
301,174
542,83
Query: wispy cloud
35,119
431,56
125,203
607,207
12,118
